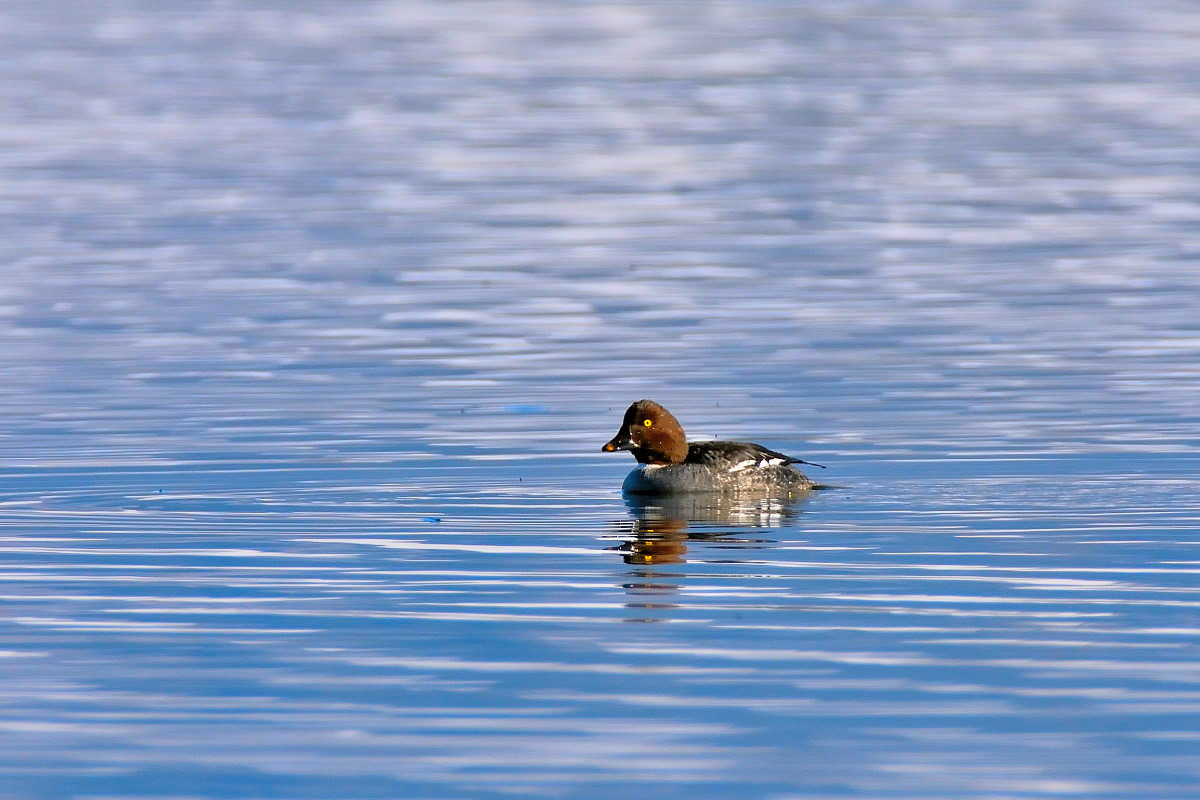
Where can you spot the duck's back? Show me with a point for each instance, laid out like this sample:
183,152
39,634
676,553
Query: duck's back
735,456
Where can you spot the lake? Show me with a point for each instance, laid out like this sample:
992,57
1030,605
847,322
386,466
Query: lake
315,317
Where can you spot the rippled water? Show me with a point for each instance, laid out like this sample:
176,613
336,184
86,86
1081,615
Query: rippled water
315,316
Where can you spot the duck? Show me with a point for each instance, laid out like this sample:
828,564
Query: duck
669,464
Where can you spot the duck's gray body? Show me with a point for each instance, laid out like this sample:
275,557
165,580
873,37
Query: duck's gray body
721,467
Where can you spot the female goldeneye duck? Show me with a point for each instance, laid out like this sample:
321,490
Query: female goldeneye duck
668,463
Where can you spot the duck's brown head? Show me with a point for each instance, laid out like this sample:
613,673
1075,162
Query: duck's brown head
651,433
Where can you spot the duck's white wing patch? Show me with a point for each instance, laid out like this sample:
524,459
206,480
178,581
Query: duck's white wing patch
756,463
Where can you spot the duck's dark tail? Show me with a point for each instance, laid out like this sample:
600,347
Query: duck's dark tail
802,461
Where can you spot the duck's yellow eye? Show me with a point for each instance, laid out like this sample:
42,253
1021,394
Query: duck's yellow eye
647,423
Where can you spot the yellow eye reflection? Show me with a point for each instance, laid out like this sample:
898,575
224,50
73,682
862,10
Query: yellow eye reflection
647,423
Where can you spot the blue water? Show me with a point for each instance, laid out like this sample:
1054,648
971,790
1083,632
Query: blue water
314,317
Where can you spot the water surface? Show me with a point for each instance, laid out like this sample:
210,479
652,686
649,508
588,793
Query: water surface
314,320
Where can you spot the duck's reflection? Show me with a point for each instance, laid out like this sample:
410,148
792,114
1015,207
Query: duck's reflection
653,539
661,527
